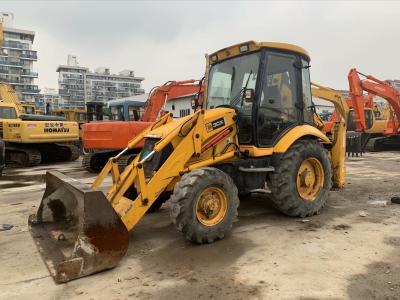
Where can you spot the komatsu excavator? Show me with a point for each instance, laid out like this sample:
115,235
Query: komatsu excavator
257,130
31,139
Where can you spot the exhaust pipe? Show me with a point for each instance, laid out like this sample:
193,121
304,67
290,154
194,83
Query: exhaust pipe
76,230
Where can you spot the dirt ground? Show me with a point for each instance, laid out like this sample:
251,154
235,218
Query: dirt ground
349,251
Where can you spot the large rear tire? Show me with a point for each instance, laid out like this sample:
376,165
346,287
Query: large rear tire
302,179
204,205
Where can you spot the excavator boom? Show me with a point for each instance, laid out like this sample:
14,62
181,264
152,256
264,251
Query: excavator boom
377,87
104,139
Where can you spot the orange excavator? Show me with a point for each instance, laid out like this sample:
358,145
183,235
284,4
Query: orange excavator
102,140
390,139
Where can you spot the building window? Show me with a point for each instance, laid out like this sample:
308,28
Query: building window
184,112
173,107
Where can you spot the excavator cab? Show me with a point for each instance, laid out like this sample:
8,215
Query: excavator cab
256,132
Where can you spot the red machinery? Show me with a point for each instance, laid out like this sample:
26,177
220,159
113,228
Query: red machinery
103,140
383,89
351,126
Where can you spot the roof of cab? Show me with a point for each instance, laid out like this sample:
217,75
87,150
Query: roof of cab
234,50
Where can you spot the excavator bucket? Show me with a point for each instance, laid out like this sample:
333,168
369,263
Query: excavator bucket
76,229
356,142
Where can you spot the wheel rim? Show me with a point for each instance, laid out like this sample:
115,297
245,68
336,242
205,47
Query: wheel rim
211,206
310,179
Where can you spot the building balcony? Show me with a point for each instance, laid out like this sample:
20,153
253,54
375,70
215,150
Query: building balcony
30,90
15,45
15,81
3,53
2,71
28,74
11,64
28,56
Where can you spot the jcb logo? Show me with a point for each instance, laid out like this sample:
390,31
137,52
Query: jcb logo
14,125
218,123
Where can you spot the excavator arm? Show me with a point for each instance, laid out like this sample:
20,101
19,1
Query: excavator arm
377,87
160,94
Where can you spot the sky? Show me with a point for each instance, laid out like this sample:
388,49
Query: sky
167,40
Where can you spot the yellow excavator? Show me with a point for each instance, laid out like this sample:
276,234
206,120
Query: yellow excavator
257,130
31,139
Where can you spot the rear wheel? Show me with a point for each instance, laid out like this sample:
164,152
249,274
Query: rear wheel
301,182
204,205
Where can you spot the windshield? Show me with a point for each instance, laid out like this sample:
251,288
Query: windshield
7,113
228,80
29,110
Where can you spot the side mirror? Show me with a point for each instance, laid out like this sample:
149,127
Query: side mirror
248,95
195,101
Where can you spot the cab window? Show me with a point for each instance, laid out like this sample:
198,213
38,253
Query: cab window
134,113
117,113
306,88
277,107
7,113
29,110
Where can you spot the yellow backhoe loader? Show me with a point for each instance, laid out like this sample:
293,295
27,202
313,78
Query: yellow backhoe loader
257,131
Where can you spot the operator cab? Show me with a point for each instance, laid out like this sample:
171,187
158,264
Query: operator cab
268,84
8,112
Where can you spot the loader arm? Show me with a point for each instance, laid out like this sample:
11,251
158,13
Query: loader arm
94,227
179,162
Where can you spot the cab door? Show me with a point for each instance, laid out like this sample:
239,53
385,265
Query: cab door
278,103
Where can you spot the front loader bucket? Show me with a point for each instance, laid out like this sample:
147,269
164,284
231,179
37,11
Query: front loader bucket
76,230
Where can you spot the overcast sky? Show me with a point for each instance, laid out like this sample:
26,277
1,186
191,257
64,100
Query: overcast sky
167,40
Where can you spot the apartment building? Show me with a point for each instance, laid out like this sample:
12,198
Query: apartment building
17,59
78,85
48,100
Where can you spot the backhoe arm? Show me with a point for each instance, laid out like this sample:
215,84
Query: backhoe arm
338,131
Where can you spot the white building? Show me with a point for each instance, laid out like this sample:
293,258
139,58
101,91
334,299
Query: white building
180,106
78,85
17,59
48,100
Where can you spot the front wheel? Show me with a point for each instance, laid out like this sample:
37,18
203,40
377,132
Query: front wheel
302,179
204,205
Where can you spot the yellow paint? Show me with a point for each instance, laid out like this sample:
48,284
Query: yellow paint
338,150
296,133
310,179
332,96
211,206
189,135
338,154
23,131
234,50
